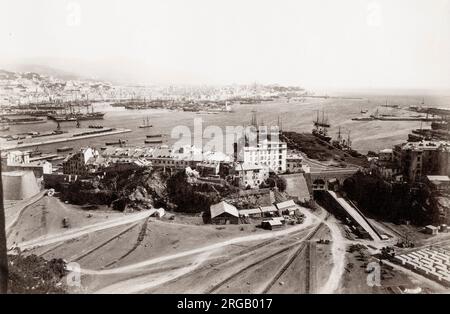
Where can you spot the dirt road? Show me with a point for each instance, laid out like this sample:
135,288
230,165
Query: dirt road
310,219
338,250
78,232
142,283
13,213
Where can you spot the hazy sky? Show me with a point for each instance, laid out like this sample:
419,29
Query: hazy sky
314,43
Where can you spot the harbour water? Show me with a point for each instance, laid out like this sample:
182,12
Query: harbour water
295,116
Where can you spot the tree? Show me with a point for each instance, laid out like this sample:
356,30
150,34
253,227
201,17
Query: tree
3,251
281,184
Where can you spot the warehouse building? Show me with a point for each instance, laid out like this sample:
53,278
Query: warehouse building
223,213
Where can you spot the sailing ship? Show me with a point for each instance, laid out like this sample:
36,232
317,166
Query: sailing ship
77,116
320,128
440,125
322,123
145,124
322,134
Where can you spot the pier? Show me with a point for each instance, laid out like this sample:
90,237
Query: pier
67,138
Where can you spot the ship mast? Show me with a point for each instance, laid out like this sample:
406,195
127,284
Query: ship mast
349,142
254,121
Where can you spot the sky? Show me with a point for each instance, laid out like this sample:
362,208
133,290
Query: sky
311,43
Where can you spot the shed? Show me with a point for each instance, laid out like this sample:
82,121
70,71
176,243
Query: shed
158,213
430,229
280,219
287,206
271,224
224,213
268,210
255,212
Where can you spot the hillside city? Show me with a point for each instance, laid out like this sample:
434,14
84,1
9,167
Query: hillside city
276,211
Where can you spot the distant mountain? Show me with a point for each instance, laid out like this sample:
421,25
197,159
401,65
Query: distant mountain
7,75
47,71
115,70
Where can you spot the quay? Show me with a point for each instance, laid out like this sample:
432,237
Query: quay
73,137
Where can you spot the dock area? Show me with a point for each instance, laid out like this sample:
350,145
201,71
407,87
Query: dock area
77,134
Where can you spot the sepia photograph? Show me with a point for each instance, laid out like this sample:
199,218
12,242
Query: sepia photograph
243,149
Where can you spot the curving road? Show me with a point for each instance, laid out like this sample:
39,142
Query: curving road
200,255
78,232
212,247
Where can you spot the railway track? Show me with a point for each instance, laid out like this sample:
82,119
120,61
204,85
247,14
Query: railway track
251,249
255,247
258,262
237,255
82,255
293,257
77,258
398,233
51,249
265,259
311,268
138,242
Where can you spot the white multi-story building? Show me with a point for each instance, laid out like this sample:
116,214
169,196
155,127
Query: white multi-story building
270,154
267,150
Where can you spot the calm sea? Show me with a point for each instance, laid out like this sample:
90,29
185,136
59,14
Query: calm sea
295,116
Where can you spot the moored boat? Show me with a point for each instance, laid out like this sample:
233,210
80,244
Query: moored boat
321,135
363,119
153,141
119,142
146,124
64,149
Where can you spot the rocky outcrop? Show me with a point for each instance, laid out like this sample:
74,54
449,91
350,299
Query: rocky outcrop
130,190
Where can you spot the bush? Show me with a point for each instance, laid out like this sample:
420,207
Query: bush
34,274
390,202
191,198
281,184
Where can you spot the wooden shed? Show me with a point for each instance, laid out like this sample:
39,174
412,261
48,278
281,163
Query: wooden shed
224,213
271,224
